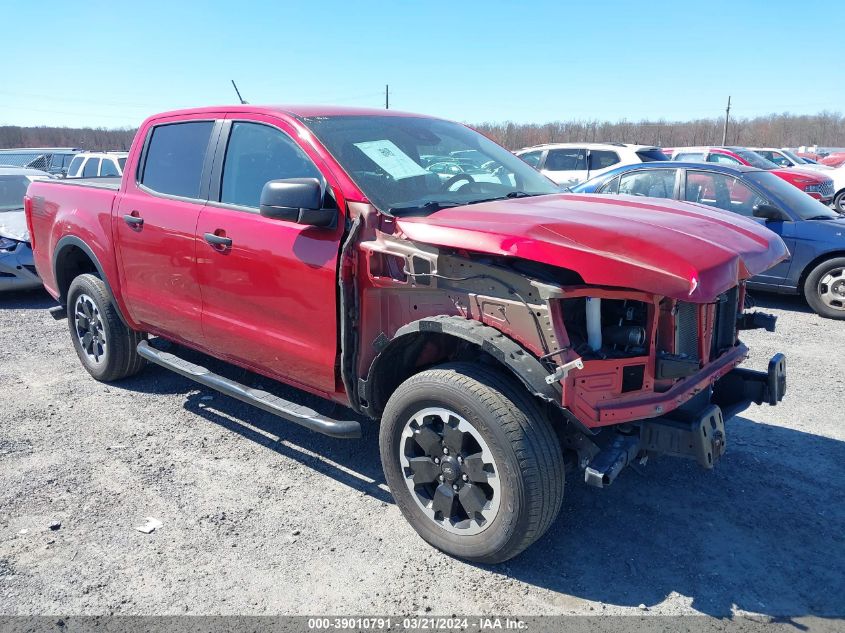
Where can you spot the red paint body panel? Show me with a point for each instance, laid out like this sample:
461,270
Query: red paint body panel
656,246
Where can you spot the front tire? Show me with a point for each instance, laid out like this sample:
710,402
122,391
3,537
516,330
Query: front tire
105,346
473,463
839,202
824,288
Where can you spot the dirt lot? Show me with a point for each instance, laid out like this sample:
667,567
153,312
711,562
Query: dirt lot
263,517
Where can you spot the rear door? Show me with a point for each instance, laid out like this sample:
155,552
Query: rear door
155,226
567,166
269,292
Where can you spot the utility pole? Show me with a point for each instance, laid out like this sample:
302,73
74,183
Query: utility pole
386,97
727,115
240,98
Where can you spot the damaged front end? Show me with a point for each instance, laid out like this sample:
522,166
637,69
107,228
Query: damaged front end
627,374
660,376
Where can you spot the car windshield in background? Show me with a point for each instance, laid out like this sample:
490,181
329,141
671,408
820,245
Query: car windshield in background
755,160
651,155
122,163
796,201
794,158
410,164
12,191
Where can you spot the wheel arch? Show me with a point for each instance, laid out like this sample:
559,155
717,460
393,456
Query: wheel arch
815,262
434,340
73,257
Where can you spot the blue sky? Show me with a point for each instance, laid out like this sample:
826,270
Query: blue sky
112,63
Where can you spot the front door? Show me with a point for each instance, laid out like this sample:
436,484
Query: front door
726,192
155,229
269,289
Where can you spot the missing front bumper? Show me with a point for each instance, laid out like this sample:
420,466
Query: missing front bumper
692,432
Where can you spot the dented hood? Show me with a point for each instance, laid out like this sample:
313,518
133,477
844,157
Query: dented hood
677,249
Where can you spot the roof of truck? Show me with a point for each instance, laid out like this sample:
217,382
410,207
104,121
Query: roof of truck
299,111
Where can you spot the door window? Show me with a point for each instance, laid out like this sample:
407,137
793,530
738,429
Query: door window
722,191
175,156
75,164
601,159
569,159
652,183
109,168
532,158
255,155
610,187
92,166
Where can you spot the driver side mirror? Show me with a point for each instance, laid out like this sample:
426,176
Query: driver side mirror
769,212
297,200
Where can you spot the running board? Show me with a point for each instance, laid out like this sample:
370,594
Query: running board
280,407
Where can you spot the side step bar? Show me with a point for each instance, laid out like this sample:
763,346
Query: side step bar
280,407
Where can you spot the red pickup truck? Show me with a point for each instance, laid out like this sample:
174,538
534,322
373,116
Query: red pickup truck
502,332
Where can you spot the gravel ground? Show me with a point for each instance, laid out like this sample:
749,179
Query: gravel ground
262,517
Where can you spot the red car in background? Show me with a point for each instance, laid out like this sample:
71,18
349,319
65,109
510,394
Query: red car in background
819,187
837,159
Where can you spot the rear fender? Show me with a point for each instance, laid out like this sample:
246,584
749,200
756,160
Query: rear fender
67,246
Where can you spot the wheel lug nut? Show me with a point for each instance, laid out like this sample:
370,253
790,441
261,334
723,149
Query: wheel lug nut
460,459
436,460
440,478
465,477
454,486
445,451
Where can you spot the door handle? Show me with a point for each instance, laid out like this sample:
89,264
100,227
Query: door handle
133,220
218,240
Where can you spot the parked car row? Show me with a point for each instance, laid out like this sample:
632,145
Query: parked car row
814,234
571,163
53,160
67,162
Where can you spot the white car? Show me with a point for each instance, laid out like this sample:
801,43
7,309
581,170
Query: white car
571,163
786,158
97,164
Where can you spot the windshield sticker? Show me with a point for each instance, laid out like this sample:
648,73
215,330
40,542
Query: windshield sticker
391,159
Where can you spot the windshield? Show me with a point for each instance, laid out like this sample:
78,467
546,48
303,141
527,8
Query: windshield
754,159
795,200
420,164
12,191
794,157
651,155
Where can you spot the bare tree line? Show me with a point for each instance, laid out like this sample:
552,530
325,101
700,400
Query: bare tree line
826,129
94,139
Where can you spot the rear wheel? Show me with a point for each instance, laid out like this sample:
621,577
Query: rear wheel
105,346
472,462
824,288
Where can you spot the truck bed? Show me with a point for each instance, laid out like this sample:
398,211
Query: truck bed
107,182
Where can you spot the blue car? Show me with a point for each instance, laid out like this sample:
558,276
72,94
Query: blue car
814,233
